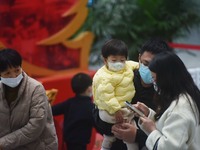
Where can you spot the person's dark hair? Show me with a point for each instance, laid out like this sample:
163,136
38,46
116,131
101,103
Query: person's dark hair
155,46
114,47
9,58
172,79
80,82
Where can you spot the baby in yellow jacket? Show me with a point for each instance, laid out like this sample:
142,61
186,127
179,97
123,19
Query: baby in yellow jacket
112,86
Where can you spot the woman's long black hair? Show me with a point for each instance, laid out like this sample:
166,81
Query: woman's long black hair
172,79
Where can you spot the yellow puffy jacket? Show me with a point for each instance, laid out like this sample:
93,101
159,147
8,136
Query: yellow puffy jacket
112,89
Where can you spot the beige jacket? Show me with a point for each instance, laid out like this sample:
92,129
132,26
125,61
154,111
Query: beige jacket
27,124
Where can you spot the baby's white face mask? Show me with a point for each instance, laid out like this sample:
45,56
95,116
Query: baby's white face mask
116,66
12,82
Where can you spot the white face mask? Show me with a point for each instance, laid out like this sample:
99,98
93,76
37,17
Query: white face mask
156,88
116,66
12,82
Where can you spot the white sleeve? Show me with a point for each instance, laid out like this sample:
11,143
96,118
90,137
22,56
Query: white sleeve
174,134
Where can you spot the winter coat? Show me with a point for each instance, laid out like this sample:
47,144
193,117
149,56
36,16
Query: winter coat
178,128
78,119
112,89
27,123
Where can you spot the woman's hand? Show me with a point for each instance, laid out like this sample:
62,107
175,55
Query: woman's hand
147,124
142,107
125,132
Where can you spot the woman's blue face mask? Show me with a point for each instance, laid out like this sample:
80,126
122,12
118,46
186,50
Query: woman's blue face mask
145,74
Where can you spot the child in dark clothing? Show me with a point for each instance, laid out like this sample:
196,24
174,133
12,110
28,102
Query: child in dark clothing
78,120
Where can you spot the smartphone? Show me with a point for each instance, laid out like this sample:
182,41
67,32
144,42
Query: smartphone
134,109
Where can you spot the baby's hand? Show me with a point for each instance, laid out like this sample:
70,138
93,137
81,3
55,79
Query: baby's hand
119,116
